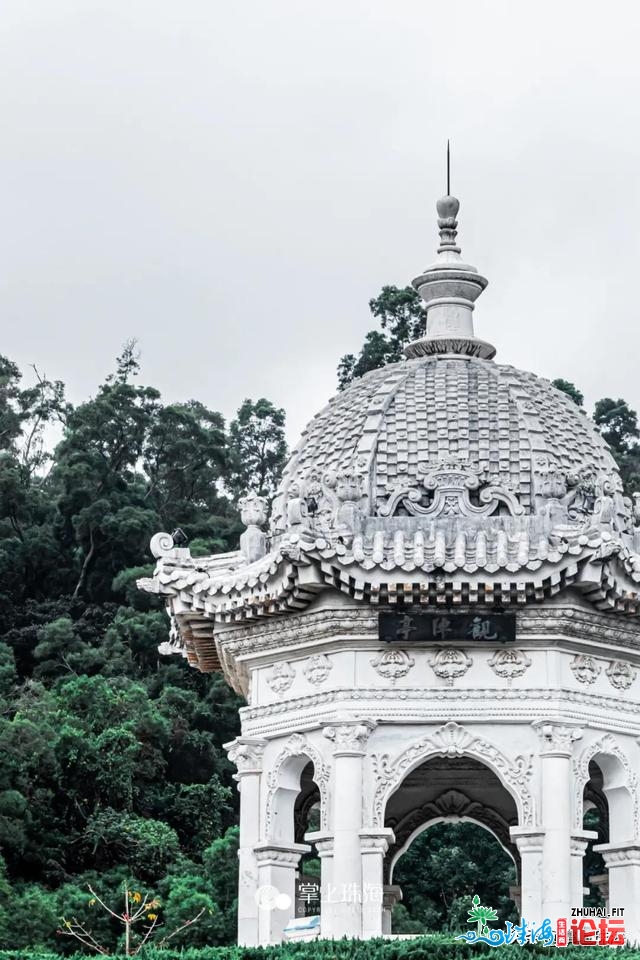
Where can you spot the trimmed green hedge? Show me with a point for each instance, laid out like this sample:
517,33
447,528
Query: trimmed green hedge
422,948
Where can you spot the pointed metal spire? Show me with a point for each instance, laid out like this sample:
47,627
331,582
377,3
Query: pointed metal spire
449,289
448,170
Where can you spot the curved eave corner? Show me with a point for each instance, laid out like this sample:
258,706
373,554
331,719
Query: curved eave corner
199,593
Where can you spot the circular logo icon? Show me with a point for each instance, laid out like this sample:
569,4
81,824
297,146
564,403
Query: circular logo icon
270,898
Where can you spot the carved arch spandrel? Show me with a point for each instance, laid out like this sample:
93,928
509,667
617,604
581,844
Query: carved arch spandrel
297,746
453,740
605,746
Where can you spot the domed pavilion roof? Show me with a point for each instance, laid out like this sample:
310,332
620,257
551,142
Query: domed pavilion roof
446,476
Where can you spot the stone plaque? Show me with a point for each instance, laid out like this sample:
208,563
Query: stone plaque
436,627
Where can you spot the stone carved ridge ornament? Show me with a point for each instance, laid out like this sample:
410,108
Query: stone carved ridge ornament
454,740
393,664
509,663
281,677
449,663
606,746
317,668
621,674
161,545
585,668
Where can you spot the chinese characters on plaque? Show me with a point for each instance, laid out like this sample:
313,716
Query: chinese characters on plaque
435,627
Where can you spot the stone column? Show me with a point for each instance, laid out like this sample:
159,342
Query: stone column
246,753
350,739
557,806
623,864
324,845
530,846
276,896
391,895
579,843
373,845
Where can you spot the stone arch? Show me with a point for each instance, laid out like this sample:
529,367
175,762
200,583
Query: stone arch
508,848
620,787
454,740
283,787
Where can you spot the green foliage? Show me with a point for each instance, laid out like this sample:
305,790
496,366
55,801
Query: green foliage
422,948
619,427
402,319
443,869
258,449
111,760
570,389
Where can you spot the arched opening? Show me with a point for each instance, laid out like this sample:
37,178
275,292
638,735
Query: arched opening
608,810
296,806
443,867
307,820
451,817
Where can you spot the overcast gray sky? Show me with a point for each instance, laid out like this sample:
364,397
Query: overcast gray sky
230,182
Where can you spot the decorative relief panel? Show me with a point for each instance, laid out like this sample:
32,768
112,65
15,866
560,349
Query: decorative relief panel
509,663
393,664
317,669
281,677
621,674
454,740
449,663
585,669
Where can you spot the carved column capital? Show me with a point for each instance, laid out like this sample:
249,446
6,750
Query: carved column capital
391,894
282,854
580,840
527,840
246,753
349,737
322,841
620,854
376,841
556,739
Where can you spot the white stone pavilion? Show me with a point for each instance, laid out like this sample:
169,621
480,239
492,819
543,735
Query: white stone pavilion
441,486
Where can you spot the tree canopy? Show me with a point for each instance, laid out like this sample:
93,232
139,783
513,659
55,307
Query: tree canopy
111,760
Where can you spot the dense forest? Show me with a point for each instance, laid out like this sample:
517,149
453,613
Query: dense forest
111,760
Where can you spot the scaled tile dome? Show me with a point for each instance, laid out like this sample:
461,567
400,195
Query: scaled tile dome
503,442
446,478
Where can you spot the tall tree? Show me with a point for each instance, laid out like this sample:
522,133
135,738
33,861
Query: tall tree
402,318
619,427
257,448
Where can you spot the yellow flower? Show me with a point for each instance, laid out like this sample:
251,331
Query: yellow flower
136,897
152,916
92,902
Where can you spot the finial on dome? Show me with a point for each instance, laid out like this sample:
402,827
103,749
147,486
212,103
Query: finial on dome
449,289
